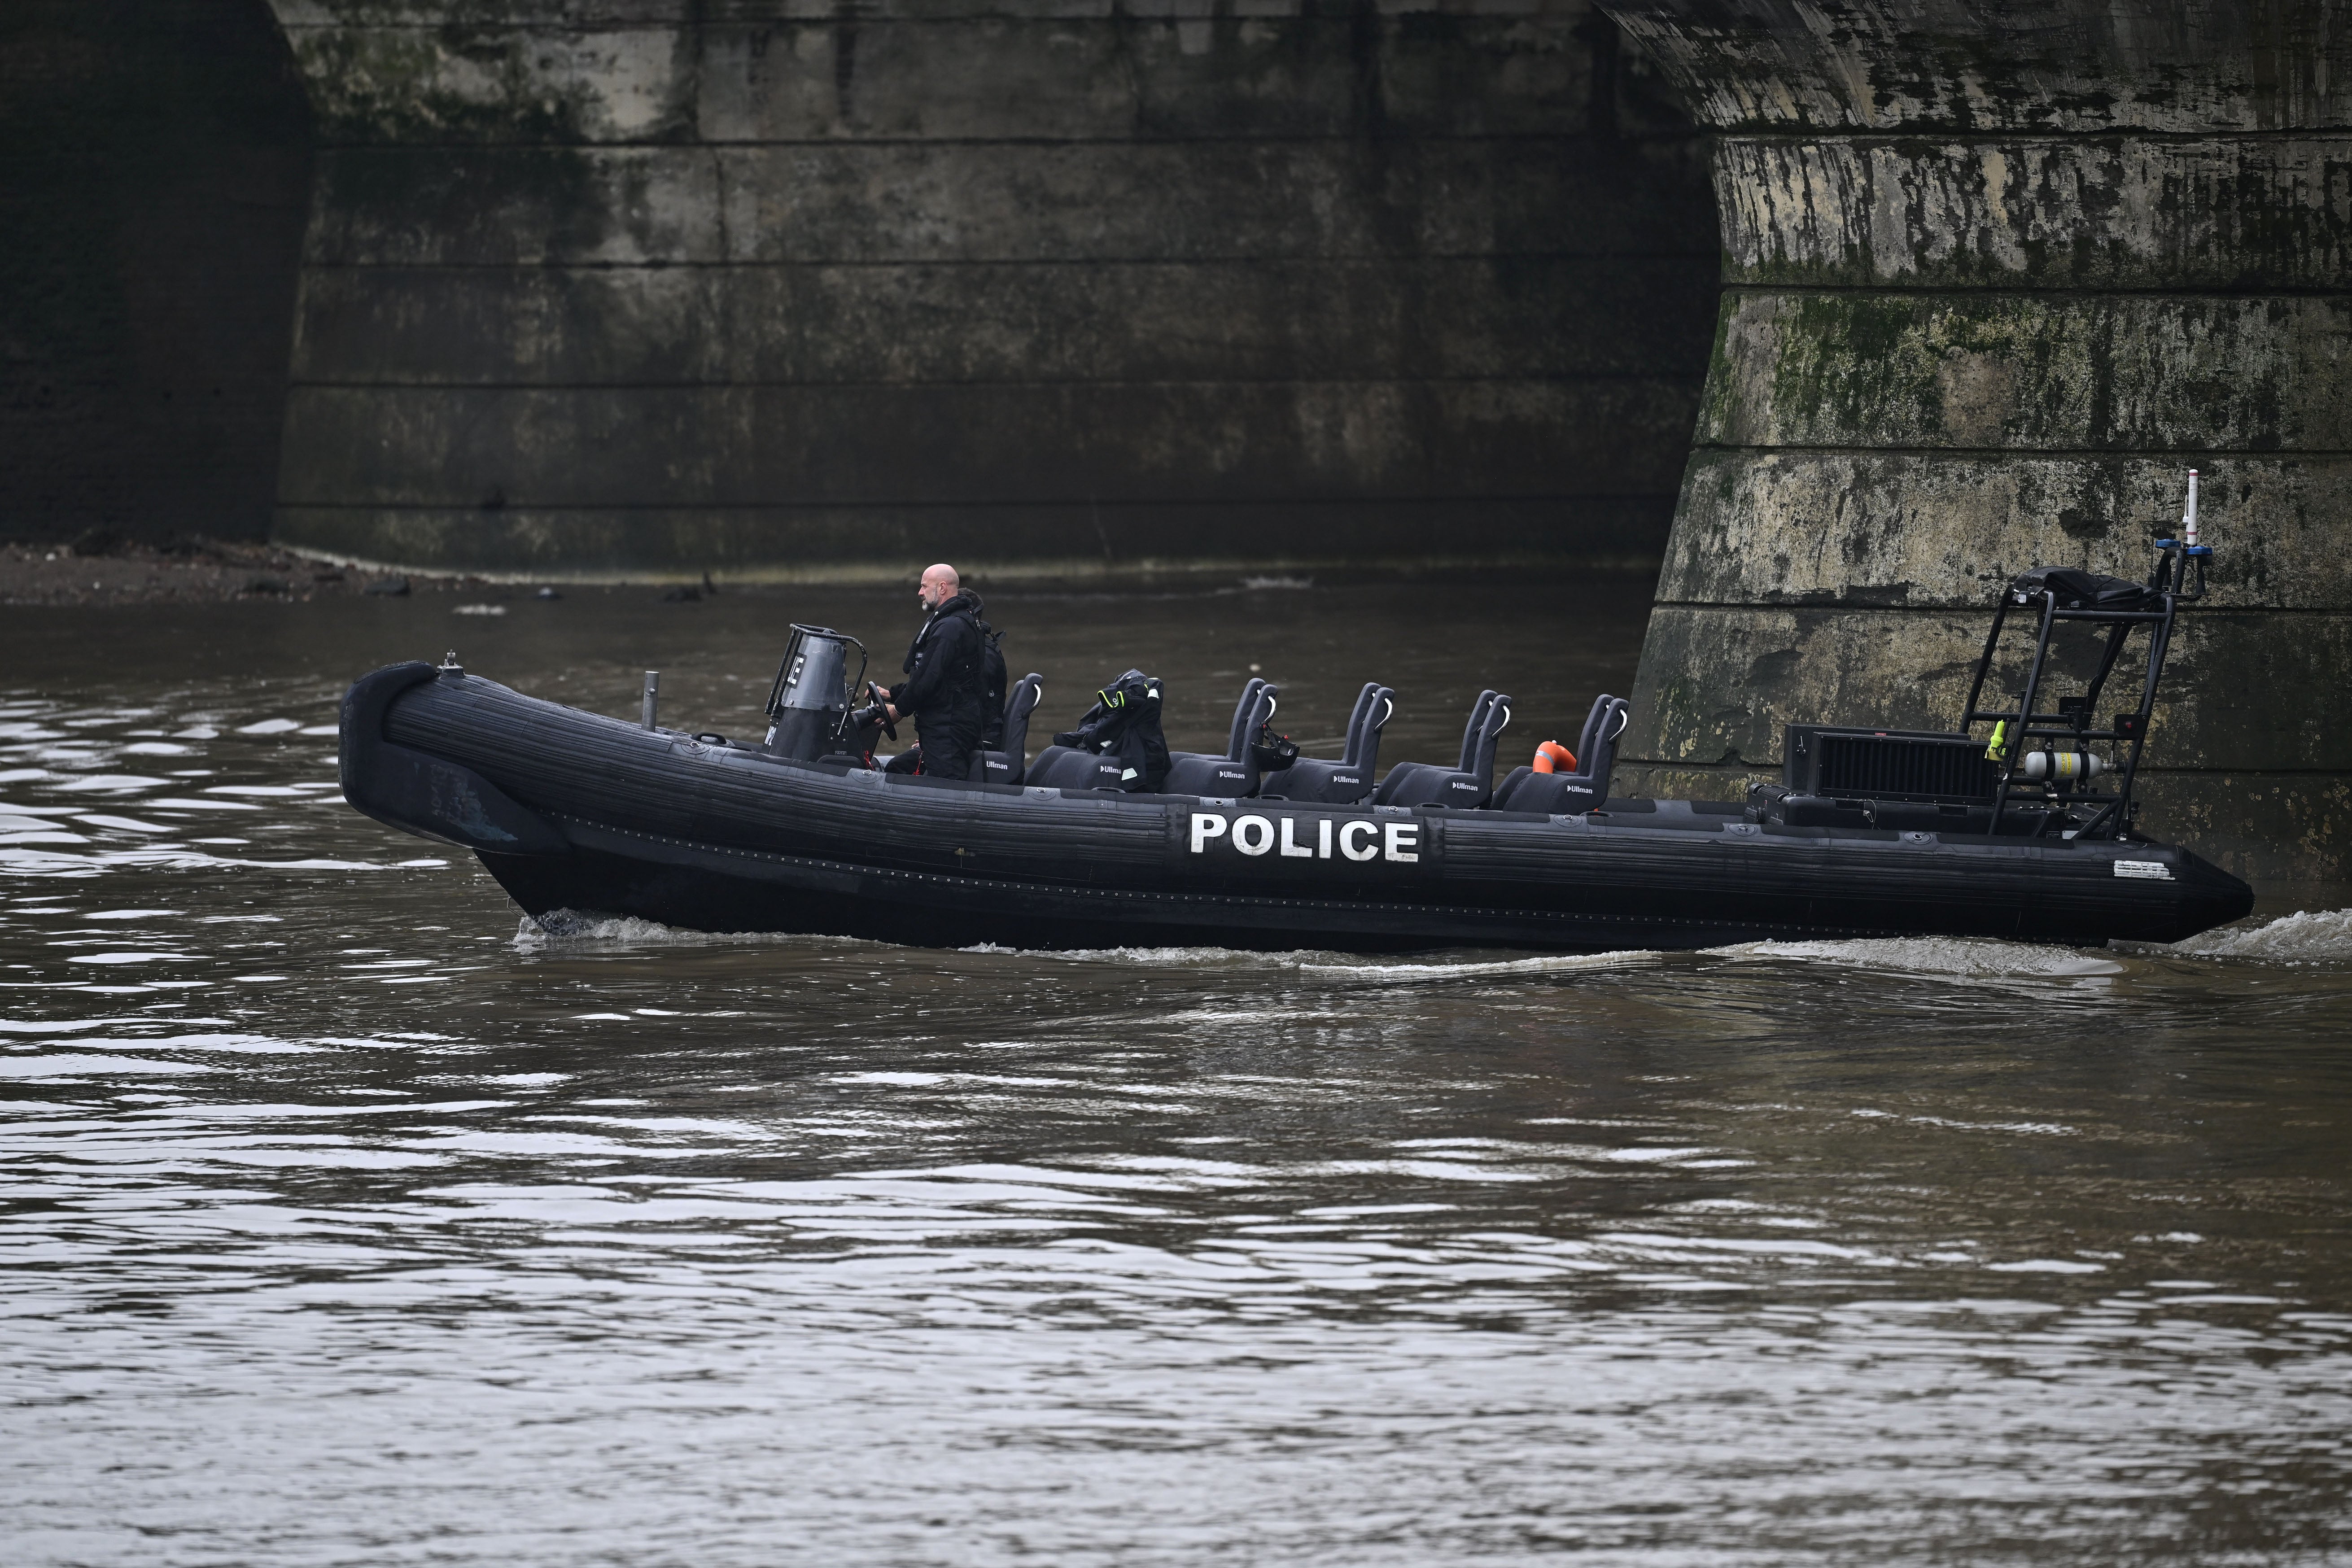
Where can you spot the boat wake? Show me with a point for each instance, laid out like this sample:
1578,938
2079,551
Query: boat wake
586,928
1969,958
1340,966
1561,964
2308,936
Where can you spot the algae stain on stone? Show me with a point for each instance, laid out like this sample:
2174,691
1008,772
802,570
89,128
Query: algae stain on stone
1975,392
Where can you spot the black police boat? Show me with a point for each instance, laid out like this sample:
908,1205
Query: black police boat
2018,824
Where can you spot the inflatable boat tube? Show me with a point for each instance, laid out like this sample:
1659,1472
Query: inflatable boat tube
573,810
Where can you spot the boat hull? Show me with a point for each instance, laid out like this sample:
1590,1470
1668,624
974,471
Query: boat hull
571,810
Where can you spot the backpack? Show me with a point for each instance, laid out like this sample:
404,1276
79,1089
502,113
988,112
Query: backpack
991,688
2079,590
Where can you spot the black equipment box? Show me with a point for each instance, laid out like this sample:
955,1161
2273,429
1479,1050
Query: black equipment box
1888,765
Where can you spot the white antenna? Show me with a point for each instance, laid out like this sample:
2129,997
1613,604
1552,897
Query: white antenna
2189,517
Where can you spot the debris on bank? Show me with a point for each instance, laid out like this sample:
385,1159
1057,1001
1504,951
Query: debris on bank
101,567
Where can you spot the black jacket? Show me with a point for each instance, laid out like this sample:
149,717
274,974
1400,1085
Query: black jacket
945,668
1124,723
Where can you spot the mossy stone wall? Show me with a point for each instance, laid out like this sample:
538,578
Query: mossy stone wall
1994,283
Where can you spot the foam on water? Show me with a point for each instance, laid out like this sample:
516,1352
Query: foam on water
1961,957
2306,936
564,929
1339,965
567,927
587,927
1556,963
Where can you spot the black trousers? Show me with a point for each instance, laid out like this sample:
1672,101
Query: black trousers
944,752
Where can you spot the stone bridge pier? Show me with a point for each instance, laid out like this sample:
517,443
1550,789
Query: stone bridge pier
767,287
1997,274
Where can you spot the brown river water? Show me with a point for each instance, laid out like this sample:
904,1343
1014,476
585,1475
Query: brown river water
348,1223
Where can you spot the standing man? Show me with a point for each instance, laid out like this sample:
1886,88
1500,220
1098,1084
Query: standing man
946,676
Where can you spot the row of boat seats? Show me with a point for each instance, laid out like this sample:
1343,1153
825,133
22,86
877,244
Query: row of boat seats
1568,794
1347,781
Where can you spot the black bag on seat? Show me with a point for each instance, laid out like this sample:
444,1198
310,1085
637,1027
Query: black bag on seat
1349,781
1467,784
1569,794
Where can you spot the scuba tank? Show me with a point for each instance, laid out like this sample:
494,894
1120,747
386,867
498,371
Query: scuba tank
2061,767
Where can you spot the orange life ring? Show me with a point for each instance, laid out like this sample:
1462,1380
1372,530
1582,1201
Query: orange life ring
1551,757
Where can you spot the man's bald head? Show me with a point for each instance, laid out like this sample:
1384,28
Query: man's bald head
940,584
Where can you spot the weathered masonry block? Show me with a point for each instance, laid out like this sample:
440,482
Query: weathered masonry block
1996,278
769,287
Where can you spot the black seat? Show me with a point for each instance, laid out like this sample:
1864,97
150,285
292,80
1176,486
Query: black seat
1233,774
1006,766
1066,767
1467,784
1349,781
1569,794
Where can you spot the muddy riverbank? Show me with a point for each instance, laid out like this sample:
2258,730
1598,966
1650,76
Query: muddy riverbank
198,570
